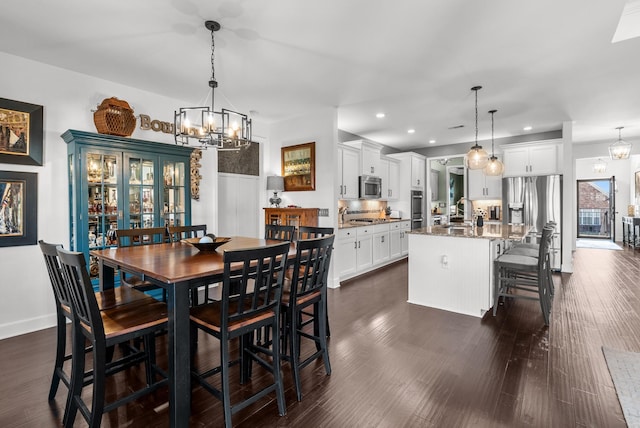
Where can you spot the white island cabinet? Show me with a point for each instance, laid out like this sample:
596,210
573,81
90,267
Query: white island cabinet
451,268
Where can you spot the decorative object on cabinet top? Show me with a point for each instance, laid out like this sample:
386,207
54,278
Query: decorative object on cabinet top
114,117
20,132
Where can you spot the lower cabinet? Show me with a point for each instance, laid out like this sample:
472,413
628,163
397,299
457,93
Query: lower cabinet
360,249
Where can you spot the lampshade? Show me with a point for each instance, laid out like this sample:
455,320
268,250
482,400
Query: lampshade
275,183
620,149
477,157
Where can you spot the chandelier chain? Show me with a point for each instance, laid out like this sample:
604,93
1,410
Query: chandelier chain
213,56
476,91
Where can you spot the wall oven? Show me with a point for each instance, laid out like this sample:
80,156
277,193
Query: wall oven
370,187
416,209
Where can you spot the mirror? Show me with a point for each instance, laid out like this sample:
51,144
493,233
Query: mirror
455,190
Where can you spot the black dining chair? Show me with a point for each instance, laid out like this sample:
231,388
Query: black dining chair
106,300
251,296
178,233
307,290
309,232
279,232
141,236
103,330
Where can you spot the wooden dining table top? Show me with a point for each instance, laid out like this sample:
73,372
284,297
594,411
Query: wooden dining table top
178,261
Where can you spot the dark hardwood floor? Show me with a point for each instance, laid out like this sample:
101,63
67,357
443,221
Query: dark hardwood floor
396,364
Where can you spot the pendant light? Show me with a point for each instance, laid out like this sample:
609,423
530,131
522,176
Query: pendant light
620,149
494,166
225,129
600,166
477,157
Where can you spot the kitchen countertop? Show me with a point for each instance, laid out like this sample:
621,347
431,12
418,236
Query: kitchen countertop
488,231
348,225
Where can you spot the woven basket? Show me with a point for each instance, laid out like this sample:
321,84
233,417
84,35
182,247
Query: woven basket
114,117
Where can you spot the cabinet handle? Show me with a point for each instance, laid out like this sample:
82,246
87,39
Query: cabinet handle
418,181
358,244
372,170
382,238
355,245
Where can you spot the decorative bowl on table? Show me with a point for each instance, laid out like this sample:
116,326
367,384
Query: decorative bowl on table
207,246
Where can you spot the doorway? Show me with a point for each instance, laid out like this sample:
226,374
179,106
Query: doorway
596,208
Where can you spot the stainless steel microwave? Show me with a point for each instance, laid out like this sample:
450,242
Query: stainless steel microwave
370,187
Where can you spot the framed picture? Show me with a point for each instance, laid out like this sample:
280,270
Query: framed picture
20,132
299,167
18,208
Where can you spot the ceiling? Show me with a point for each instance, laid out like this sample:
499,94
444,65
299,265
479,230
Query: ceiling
540,63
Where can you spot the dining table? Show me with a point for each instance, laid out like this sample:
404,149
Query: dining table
176,267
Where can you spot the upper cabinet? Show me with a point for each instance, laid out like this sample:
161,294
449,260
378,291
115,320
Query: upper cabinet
415,166
389,173
369,157
348,162
530,159
482,186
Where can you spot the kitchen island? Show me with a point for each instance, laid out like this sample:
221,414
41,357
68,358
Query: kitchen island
451,266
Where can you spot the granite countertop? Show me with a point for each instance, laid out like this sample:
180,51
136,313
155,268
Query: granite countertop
488,231
348,224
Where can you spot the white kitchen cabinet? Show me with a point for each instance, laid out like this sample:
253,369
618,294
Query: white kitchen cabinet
530,159
483,186
364,253
395,240
389,173
394,179
348,160
405,226
346,248
369,156
418,168
380,243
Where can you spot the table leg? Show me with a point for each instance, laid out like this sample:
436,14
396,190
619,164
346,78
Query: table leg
106,276
179,358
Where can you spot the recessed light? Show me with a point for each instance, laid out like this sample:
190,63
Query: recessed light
432,141
411,131
527,128
379,115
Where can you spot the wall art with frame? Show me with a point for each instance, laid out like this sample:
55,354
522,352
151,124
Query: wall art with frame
18,208
20,132
299,167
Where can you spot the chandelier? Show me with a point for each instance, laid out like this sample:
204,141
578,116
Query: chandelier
494,166
620,149
600,166
224,130
477,157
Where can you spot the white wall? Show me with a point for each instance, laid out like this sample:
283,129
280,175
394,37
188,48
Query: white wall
68,98
322,127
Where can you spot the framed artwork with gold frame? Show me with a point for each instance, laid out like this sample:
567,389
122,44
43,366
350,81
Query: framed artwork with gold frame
20,132
299,167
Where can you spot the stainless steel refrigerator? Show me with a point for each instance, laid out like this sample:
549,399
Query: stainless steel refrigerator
534,201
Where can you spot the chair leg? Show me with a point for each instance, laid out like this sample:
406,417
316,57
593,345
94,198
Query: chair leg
150,350
61,346
224,384
277,377
294,354
99,366
77,378
320,319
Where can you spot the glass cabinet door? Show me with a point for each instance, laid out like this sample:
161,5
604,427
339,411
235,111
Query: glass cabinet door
174,193
141,211
102,198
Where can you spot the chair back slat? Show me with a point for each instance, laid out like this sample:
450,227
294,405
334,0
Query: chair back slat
310,232
76,279
50,253
252,282
279,232
177,233
311,267
141,236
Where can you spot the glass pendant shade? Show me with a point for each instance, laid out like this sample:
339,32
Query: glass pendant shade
477,157
494,167
620,149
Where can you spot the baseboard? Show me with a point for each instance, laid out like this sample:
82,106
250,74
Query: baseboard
27,326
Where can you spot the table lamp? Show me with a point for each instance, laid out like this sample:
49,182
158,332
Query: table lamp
275,183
